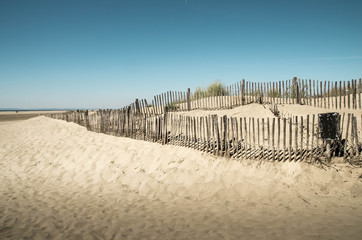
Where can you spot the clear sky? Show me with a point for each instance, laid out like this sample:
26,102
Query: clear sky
104,54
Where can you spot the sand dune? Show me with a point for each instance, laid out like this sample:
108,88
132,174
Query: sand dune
59,181
254,110
262,111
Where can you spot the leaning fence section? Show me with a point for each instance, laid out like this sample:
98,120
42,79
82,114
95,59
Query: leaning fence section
275,139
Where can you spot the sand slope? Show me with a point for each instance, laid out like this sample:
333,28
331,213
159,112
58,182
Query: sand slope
59,181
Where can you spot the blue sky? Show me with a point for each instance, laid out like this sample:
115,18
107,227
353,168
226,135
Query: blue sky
104,54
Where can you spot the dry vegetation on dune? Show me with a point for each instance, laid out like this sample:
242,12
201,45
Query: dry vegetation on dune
60,181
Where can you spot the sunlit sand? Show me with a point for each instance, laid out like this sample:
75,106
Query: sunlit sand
60,181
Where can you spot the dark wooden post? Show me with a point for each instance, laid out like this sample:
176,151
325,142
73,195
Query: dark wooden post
128,121
137,106
188,100
295,81
243,93
87,120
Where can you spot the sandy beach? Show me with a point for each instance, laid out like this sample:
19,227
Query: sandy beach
6,116
60,181
199,120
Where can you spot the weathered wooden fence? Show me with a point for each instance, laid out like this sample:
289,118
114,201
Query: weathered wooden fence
278,139
324,94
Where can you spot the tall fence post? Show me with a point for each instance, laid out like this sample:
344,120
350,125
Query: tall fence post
87,120
188,100
295,81
243,93
128,121
137,106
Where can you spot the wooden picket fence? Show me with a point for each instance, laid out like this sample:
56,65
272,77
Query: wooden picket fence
278,139
324,94
293,138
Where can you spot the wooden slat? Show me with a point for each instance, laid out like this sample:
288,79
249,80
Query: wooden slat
254,146
273,142
269,138
236,136
359,93
246,137
328,92
340,94
346,139
344,94
263,136
284,138
278,141
336,94
314,97
258,130
290,138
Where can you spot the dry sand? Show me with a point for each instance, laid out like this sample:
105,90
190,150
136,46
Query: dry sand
250,110
59,181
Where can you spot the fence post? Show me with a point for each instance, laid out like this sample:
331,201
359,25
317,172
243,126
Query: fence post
345,143
328,151
216,126
164,127
354,94
128,121
137,106
297,89
188,100
225,140
243,93
87,120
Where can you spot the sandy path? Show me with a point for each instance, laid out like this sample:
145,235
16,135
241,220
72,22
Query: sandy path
59,181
